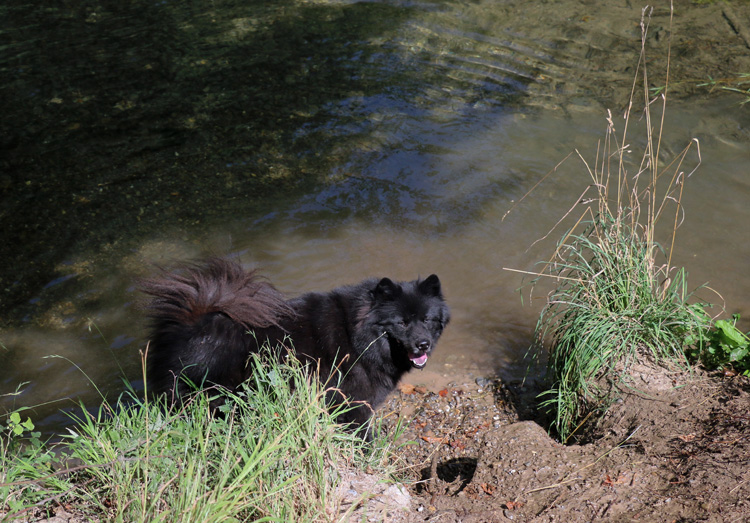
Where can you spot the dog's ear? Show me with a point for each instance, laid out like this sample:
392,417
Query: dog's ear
387,290
430,286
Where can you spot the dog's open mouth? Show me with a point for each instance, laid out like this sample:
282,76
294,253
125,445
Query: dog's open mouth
418,361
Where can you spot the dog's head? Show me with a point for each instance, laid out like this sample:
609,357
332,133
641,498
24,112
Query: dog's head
412,315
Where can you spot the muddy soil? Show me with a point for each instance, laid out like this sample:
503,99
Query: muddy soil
676,449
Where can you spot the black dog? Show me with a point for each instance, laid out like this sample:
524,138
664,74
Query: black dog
208,318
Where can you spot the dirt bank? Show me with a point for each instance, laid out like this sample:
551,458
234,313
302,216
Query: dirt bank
675,450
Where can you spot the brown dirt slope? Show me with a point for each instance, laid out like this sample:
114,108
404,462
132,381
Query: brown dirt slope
679,452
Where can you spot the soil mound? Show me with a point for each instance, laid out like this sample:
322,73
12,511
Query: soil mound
674,451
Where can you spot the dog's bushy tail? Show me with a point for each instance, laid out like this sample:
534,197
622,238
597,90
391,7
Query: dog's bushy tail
201,315
214,286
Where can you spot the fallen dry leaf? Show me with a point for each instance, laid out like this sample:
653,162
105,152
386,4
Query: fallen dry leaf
434,439
471,492
609,482
406,388
457,444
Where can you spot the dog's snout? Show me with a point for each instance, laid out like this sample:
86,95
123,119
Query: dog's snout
423,345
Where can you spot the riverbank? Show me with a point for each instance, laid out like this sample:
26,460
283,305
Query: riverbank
674,450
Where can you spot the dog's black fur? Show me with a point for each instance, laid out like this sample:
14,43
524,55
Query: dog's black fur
208,318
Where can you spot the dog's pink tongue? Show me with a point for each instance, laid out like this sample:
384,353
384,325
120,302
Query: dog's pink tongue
421,360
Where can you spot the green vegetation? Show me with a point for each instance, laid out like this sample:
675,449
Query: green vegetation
613,307
618,300
723,346
274,454
737,84
734,84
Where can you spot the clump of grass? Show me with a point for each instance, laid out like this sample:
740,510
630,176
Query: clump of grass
614,307
618,299
275,453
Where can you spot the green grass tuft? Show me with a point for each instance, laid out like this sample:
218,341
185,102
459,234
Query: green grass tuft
611,308
618,300
274,454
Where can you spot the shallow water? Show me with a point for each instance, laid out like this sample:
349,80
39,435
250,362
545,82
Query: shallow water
408,164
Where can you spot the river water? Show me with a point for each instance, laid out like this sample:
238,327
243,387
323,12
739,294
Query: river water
326,142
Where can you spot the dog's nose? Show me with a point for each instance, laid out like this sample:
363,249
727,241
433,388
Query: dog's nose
423,345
